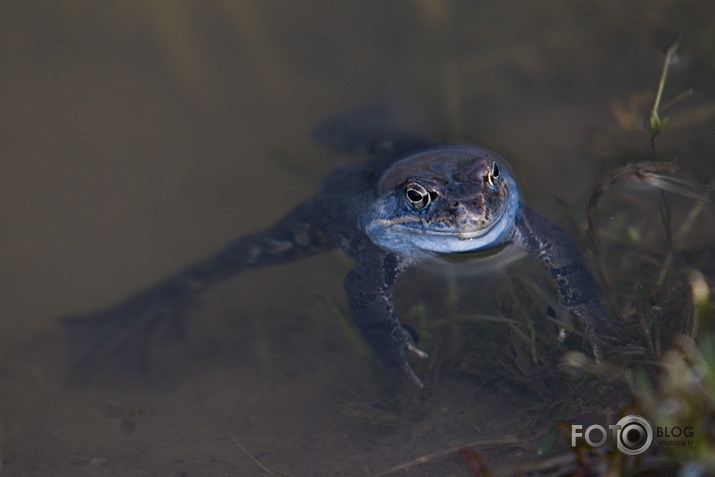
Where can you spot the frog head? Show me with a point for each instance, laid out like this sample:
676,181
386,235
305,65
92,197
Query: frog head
445,199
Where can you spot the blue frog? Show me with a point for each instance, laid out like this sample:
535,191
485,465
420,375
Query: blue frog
414,200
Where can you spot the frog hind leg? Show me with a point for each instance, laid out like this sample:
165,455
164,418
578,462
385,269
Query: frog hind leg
577,289
118,337
371,129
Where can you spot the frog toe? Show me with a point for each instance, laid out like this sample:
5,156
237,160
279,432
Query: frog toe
415,351
407,371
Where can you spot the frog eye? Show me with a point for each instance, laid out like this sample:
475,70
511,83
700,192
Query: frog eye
493,174
417,196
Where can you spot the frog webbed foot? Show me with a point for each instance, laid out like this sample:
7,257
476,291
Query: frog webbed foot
120,339
395,359
408,373
401,368
392,344
411,349
386,336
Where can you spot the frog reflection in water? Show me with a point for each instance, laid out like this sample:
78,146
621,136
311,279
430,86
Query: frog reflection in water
414,200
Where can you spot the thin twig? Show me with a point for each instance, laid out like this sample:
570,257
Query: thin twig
684,229
655,123
444,452
260,464
663,76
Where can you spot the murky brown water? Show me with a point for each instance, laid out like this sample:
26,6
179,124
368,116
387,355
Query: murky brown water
139,137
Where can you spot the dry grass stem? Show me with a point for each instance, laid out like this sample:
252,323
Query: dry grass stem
260,464
509,440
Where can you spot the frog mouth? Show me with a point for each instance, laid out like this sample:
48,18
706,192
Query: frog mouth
418,226
462,233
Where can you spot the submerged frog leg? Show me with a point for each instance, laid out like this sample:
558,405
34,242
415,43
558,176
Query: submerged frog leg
98,337
577,290
371,130
369,288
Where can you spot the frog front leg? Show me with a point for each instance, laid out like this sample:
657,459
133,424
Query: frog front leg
369,287
578,292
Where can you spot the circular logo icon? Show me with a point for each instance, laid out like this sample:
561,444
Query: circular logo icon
634,435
